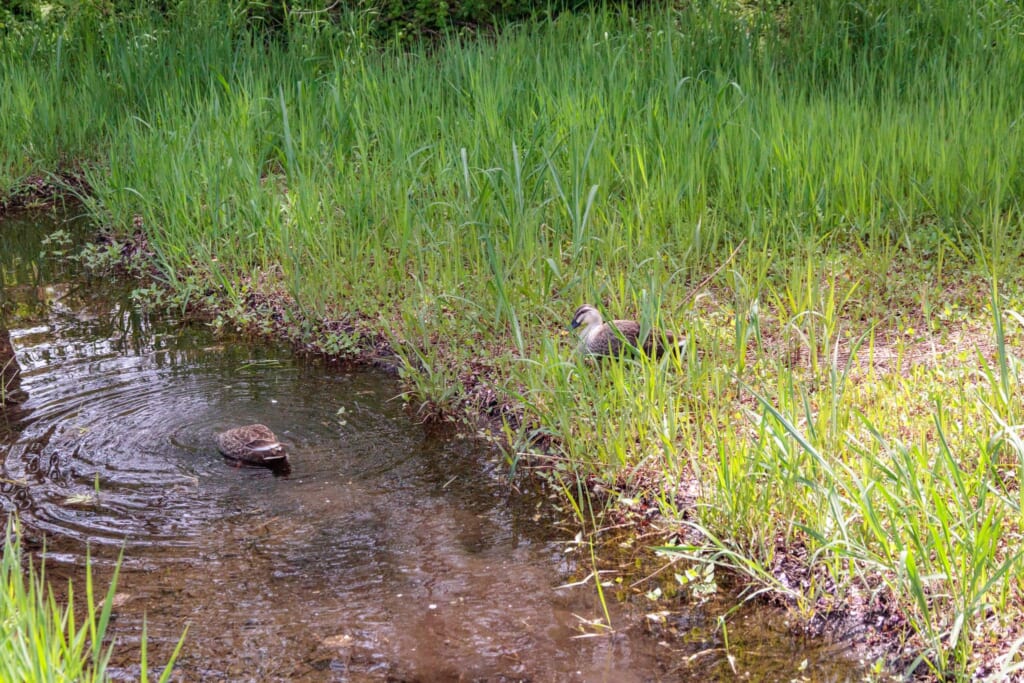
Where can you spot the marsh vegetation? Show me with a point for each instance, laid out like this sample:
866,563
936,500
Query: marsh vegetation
823,196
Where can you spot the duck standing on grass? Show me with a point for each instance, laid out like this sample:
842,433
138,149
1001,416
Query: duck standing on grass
254,445
598,338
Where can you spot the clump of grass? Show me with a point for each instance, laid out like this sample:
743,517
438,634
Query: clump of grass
43,640
885,495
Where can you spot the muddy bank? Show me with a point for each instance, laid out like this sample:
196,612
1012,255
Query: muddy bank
46,191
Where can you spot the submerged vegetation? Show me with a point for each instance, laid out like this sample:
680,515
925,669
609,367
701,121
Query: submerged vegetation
824,196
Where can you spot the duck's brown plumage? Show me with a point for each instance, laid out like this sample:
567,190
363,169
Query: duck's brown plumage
599,338
254,444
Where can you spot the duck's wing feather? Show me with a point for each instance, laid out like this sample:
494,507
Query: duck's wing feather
261,445
660,342
629,329
608,339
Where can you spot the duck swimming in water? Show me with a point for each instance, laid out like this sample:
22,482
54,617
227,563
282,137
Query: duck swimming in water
253,444
598,338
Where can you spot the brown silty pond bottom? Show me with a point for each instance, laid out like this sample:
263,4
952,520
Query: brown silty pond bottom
390,552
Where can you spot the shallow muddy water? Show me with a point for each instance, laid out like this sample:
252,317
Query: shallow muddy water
390,551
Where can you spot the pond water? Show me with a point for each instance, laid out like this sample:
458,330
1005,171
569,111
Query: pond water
389,552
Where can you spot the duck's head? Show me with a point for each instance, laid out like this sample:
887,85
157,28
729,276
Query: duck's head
586,316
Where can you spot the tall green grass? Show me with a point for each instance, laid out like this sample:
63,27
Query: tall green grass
43,640
821,196
585,151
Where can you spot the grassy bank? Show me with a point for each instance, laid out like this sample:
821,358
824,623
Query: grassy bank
824,197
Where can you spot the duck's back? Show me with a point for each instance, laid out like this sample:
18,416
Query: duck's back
237,441
607,342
